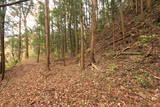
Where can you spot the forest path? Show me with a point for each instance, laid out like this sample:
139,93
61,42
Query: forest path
30,85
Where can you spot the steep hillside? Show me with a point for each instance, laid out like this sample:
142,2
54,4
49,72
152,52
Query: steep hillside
136,25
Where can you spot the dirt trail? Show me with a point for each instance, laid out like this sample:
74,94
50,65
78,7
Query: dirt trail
30,85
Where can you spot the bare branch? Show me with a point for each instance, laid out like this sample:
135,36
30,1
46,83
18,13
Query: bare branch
13,3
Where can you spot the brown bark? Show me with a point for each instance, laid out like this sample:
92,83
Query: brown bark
39,48
76,39
122,20
38,54
82,63
47,33
25,11
26,40
136,4
113,33
65,38
142,6
94,28
113,22
65,41
2,21
75,31
20,32
149,3
52,40
70,35
63,51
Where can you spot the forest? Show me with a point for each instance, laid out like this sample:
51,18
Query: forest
80,53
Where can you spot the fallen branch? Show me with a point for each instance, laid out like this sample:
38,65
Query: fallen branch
128,47
94,66
156,77
131,53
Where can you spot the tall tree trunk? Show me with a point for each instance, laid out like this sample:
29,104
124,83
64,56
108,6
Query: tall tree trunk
47,33
70,34
76,38
94,28
113,21
39,47
104,11
97,9
52,39
38,53
108,14
2,21
63,51
12,50
113,33
75,31
82,63
122,20
26,39
136,4
142,7
20,32
65,38
59,41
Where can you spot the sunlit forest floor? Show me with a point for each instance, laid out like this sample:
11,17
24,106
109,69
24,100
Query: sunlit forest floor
108,83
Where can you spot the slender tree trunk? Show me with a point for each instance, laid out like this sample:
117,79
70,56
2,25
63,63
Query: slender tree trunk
65,38
52,39
38,54
82,63
20,32
59,42
75,31
122,20
108,14
142,6
97,9
39,48
63,51
113,21
2,21
89,13
47,33
26,39
70,35
104,11
136,4
76,37
113,33
12,50
94,28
